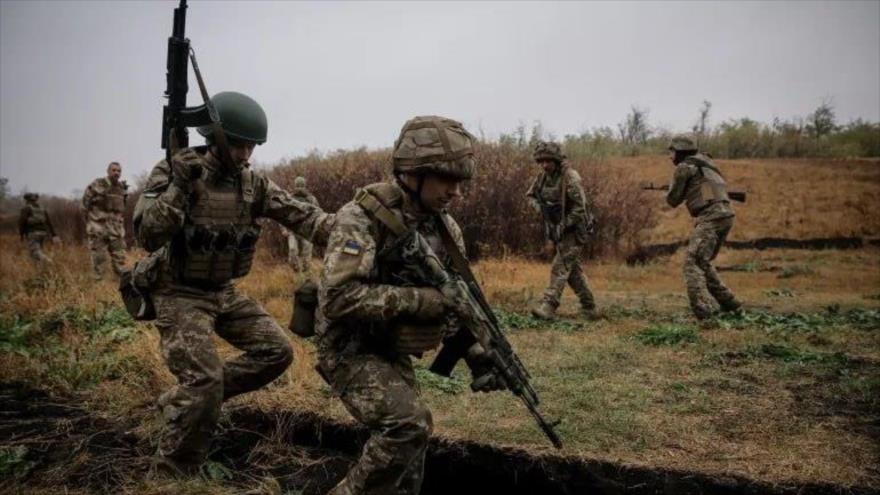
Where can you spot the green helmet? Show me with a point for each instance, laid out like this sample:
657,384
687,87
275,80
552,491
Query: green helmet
31,197
682,143
548,150
432,144
299,182
242,118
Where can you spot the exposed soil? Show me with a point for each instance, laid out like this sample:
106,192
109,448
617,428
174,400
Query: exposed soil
67,446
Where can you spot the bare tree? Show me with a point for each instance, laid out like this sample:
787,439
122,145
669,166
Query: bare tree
634,130
821,122
702,125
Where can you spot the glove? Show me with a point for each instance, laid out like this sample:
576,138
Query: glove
186,167
482,372
430,303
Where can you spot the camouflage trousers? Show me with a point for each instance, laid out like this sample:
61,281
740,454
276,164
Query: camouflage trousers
705,289
106,238
383,395
187,319
35,242
567,269
299,253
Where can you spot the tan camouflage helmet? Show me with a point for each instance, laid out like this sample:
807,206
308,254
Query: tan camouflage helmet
432,144
299,182
548,150
682,143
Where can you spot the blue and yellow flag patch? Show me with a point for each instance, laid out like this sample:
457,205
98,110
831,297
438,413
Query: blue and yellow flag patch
352,247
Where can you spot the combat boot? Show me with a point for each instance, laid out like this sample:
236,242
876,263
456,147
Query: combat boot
544,311
731,306
589,313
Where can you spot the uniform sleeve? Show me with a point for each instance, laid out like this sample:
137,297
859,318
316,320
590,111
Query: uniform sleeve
313,200
159,213
300,217
347,287
677,189
89,196
532,194
578,211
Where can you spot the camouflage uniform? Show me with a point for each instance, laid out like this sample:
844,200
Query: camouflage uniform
35,226
104,204
299,249
364,293
208,238
572,226
698,183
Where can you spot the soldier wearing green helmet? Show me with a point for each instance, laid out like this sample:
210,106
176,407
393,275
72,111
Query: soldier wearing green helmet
699,184
374,312
557,194
198,218
34,227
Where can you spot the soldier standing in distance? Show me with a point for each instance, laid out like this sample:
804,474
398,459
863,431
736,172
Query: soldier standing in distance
104,204
299,249
558,195
374,312
34,227
200,213
699,184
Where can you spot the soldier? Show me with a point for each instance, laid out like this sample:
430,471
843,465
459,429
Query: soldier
558,195
374,312
699,183
299,249
35,226
104,204
198,216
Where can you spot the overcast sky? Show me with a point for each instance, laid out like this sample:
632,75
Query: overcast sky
81,83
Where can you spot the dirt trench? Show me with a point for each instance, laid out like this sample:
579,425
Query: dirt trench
306,453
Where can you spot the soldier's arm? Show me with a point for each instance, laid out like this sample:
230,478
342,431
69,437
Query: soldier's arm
159,213
314,200
347,289
677,189
88,197
532,195
300,217
577,199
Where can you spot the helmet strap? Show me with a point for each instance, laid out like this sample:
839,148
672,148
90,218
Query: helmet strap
415,196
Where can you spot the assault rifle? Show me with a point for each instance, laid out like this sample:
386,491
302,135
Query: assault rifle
552,218
734,195
478,323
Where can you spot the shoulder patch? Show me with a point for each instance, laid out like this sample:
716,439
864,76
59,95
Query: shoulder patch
352,247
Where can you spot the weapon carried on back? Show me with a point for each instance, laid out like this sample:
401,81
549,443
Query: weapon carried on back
739,196
478,322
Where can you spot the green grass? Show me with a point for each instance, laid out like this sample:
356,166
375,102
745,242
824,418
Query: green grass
519,321
667,335
860,319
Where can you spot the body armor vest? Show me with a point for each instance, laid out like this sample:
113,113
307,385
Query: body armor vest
114,199
37,219
706,188
219,237
550,194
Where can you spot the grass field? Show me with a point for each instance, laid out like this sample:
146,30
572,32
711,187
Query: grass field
788,391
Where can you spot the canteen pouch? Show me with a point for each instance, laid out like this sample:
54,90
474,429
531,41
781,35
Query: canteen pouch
305,302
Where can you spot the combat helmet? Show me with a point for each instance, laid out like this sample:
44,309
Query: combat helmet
242,118
31,197
436,145
682,143
548,150
299,182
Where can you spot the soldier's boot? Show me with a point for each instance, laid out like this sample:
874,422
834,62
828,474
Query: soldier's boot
588,312
731,306
544,311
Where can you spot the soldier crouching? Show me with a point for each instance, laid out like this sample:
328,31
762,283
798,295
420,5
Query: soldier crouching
374,312
198,216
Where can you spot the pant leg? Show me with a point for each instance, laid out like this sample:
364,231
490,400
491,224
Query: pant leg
383,396
292,252
701,248
116,249
267,352
713,282
35,242
577,280
98,252
305,254
192,407
566,261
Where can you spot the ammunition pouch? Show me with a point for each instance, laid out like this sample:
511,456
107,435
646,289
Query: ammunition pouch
305,302
114,203
552,213
208,255
417,337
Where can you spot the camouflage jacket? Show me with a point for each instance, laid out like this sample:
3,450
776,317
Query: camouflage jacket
103,200
689,184
162,210
546,192
359,291
305,195
34,218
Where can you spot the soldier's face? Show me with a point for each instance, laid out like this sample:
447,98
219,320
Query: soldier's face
114,171
547,165
439,191
241,152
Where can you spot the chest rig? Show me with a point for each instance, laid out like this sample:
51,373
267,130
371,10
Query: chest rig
114,198
706,188
219,236
37,218
551,192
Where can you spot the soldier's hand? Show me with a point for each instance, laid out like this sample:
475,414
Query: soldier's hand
485,379
430,303
186,167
